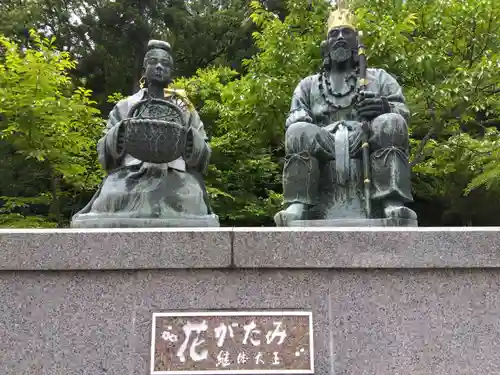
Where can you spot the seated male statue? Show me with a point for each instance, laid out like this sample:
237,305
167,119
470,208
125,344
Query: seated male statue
155,153
324,138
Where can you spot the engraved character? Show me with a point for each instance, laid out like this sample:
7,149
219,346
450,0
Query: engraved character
193,353
276,359
242,358
258,359
223,359
249,331
277,332
222,330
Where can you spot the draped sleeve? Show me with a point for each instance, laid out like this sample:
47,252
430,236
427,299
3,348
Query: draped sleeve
300,108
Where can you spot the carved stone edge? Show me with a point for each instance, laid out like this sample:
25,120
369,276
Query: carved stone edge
115,249
367,247
223,248
349,223
84,221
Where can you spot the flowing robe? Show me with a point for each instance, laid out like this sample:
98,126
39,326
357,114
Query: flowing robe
319,137
134,189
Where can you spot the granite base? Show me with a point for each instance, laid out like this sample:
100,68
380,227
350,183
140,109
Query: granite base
91,221
384,301
391,222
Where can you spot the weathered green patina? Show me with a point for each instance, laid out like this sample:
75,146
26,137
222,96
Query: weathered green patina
323,175
155,151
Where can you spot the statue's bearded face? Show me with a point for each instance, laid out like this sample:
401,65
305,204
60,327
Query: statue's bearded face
342,43
158,66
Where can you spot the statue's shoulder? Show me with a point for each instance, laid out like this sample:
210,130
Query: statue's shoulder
122,103
310,79
121,107
130,100
375,72
307,82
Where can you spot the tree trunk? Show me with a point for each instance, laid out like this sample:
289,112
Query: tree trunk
55,205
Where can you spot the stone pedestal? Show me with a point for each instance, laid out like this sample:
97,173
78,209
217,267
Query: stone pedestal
383,301
115,221
351,223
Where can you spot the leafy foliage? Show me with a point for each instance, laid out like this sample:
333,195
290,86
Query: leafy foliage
444,53
240,65
45,123
250,111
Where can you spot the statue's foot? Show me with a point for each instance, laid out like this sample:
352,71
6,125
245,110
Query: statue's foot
396,210
296,211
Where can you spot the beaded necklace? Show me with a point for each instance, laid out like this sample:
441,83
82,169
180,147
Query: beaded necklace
324,81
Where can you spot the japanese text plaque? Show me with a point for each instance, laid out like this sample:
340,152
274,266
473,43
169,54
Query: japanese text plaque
232,342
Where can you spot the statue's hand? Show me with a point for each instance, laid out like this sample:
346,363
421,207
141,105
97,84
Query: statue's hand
372,105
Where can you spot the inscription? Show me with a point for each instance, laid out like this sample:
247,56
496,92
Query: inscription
232,342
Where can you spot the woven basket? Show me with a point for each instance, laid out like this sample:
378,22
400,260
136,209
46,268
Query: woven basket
154,141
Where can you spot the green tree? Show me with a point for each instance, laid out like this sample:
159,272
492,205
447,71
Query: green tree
47,127
247,112
444,53
109,38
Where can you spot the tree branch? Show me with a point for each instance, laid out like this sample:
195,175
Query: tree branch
419,154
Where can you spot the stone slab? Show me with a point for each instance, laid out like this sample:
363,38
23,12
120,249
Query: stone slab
90,221
391,322
123,249
367,247
349,223
432,322
100,323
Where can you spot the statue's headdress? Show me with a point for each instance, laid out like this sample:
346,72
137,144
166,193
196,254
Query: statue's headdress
159,44
341,17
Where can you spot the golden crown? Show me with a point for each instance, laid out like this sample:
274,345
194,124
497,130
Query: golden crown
341,17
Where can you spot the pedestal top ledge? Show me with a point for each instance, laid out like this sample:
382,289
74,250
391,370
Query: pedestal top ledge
87,249
315,247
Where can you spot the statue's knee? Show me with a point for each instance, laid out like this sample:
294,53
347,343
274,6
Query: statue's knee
300,130
300,136
390,129
389,121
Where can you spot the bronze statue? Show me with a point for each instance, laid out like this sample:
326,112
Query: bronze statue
345,112
155,153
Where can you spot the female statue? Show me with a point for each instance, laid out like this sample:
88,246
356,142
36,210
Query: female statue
155,153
